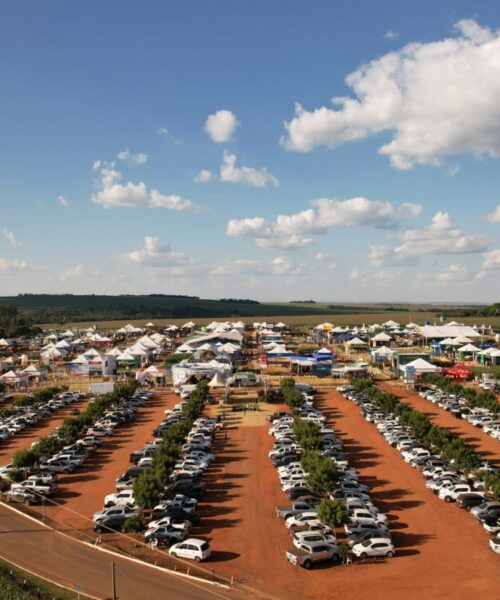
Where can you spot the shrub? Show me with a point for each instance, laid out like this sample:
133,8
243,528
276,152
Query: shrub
333,513
134,524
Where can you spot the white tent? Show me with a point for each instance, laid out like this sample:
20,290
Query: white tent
381,338
419,366
356,342
469,348
217,381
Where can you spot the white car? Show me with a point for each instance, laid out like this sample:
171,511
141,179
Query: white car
450,494
374,547
192,548
306,537
302,518
123,498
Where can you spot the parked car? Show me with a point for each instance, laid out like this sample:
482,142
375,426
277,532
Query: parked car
374,547
311,553
21,495
192,548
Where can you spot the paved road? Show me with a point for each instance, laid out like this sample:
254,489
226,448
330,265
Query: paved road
60,559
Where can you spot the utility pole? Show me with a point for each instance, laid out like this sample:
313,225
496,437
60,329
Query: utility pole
113,581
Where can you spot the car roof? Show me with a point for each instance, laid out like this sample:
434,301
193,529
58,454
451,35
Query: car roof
196,541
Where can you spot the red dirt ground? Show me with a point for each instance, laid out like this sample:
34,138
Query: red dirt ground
441,551
482,443
25,438
82,492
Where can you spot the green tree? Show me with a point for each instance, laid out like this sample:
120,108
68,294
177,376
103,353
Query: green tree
333,513
147,489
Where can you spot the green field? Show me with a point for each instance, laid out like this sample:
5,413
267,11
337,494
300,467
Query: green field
114,311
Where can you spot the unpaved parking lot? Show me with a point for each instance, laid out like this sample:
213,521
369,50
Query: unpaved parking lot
441,551
82,492
25,438
482,443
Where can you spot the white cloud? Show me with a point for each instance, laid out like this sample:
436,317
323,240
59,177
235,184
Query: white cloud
203,176
164,131
221,126
287,231
72,272
230,173
133,159
491,260
10,237
279,266
391,35
63,201
441,237
494,217
12,266
452,273
439,99
133,195
321,256
153,254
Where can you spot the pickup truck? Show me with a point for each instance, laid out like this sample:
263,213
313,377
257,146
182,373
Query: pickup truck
311,553
294,509
36,486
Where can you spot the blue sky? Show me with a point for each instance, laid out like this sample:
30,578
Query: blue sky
407,167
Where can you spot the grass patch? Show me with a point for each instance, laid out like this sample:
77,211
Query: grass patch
17,584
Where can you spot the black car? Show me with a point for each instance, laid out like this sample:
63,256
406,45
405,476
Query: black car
469,500
109,524
187,488
297,492
183,515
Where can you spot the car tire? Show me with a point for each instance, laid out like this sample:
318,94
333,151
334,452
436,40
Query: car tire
390,554
447,499
197,559
173,555
335,558
363,555
27,502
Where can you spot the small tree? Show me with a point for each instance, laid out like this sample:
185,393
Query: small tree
24,458
147,489
322,475
333,513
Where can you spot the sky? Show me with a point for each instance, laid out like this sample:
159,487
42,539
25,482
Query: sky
252,149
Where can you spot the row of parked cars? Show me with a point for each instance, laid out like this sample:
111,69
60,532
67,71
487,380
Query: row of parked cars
367,531
176,513
44,481
442,477
456,405
29,416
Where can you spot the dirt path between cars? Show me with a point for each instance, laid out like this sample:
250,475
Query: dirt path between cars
24,439
82,492
483,444
441,551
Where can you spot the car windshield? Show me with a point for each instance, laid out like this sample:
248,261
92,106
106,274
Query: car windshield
366,543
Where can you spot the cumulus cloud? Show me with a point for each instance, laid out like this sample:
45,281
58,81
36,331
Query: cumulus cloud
221,126
63,201
153,254
113,194
441,237
12,266
132,159
281,265
491,260
10,237
438,99
230,173
494,217
288,231
452,273
204,176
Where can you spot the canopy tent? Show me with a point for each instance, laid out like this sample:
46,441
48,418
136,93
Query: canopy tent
381,338
217,381
418,367
323,354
